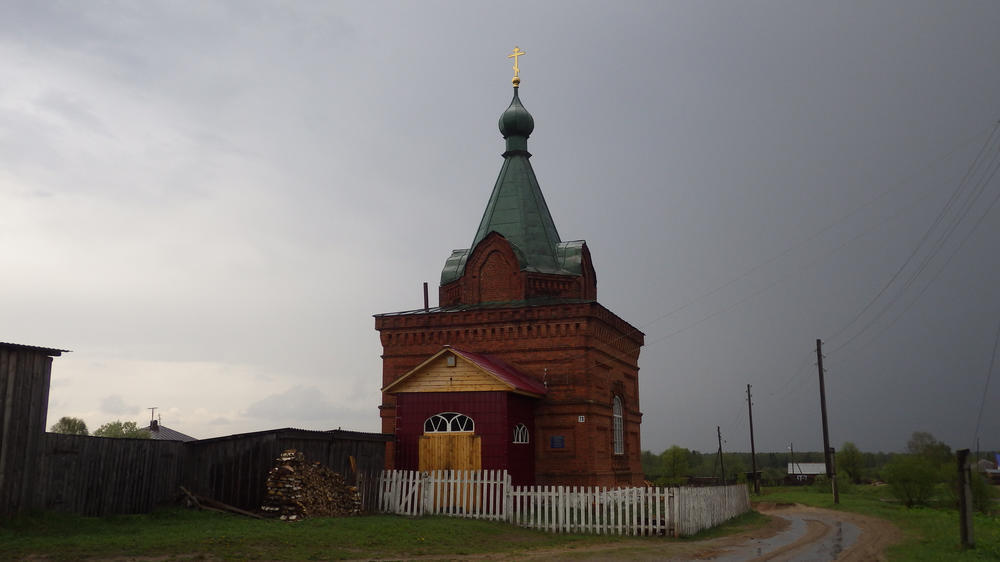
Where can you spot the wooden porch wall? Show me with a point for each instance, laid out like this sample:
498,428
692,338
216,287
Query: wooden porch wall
24,399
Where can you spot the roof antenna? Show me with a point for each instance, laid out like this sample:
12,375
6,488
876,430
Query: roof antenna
152,412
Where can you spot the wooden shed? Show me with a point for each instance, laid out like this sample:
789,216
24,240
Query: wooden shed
25,371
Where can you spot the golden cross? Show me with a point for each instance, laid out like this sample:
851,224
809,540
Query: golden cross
517,52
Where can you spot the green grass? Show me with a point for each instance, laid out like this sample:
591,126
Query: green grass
930,533
185,534
747,521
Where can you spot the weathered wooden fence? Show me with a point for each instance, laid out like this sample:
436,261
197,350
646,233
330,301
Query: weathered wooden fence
233,469
489,494
101,476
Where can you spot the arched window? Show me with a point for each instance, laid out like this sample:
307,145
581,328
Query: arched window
617,427
520,433
448,422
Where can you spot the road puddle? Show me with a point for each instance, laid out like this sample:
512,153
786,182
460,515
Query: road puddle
808,537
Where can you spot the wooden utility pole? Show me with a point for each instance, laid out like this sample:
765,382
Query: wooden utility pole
722,463
833,481
964,500
753,450
826,432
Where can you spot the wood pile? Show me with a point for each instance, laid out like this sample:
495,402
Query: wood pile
297,489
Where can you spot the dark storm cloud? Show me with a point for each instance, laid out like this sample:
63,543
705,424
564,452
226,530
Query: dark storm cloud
246,183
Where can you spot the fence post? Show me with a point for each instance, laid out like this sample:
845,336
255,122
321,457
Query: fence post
508,500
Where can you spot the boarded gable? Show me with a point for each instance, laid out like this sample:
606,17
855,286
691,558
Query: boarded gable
453,370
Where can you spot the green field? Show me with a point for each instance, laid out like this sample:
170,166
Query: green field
930,533
185,533
177,533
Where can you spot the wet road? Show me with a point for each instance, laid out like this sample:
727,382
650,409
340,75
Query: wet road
809,536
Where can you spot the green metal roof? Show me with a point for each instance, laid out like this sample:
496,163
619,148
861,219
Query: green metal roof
517,209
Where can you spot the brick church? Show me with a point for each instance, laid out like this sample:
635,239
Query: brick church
519,367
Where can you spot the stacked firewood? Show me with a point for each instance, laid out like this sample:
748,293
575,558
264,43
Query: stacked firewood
297,489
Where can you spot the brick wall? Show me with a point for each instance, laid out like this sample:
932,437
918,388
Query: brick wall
583,352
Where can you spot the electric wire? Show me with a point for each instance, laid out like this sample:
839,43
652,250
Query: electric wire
976,192
951,200
736,304
904,181
937,273
989,375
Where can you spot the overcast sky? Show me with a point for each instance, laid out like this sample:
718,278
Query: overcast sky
207,201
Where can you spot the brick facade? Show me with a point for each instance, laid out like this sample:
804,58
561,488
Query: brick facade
584,354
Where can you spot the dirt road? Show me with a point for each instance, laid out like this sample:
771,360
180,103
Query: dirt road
795,532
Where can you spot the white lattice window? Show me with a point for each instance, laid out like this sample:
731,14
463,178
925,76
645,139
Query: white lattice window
448,422
617,427
520,433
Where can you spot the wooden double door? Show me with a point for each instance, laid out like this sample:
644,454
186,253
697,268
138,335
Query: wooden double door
450,451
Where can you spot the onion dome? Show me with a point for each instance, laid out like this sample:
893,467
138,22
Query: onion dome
515,120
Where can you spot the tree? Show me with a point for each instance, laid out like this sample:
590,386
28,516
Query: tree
850,461
911,479
70,426
651,465
674,463
118,428
924,445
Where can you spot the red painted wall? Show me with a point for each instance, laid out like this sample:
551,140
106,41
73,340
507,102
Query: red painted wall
494,413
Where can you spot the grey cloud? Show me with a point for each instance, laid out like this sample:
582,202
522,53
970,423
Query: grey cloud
115,405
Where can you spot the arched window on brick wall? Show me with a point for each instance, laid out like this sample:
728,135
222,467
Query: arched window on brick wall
449,422
521,433
617,426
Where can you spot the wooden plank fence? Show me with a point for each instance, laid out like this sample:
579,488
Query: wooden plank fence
489,494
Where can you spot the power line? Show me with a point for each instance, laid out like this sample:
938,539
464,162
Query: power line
989,375
904,181
940,270
975,193
937,220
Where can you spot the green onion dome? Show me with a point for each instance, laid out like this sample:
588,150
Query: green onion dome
515,120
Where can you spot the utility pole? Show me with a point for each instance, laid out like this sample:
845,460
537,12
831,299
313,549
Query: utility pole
964,500
722,463
753,450
826,432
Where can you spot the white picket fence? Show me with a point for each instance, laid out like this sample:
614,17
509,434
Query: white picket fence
489,494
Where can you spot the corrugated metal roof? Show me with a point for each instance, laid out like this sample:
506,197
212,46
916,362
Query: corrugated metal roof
503,371
164,433
311,433
807,468
46,350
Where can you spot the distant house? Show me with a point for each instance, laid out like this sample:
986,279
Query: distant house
164,433
804,472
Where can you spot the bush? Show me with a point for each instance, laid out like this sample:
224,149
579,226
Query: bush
982,492
911,479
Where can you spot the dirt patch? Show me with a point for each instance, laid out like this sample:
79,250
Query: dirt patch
874,537
876,534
